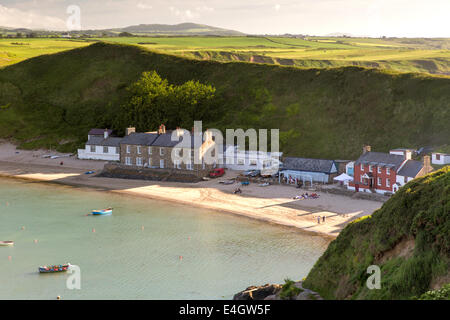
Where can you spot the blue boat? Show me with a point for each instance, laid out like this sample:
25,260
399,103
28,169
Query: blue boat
89,172
103,212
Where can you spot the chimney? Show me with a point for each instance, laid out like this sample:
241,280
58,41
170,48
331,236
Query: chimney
408,155
367,149
105,134
427,164
129,131
162,129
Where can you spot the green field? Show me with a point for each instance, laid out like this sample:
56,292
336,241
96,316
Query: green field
16,50
400,55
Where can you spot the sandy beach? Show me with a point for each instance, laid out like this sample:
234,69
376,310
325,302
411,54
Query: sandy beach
272,204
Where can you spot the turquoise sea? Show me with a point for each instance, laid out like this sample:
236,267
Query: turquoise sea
146,250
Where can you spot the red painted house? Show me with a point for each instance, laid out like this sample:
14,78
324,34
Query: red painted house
386,172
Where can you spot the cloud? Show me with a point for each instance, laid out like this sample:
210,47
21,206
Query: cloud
144,6
16,18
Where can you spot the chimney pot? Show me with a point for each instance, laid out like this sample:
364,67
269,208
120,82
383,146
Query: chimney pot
367,149
129,130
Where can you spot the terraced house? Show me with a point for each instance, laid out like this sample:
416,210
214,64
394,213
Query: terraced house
387,172
154,150
100,146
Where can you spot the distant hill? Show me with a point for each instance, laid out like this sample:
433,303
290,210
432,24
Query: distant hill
178,29
182,29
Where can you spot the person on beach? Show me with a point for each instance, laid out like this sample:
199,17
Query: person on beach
318,219
323,218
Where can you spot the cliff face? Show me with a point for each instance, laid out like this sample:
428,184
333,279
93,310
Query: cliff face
408,238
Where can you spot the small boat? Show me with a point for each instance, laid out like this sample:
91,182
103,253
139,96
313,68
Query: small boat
6,243
89,172
103,212
55,268
264,184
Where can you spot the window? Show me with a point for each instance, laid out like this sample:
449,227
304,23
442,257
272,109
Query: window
379,169
370,168
388,182
388,171
438,157
161,151
139,161
149,150
128,149
189,166
177,165
362,179
253,162
161,164
128,161
380,181
267,164
92,148
138,149
117,150
405,179
362,167
241,162
105,149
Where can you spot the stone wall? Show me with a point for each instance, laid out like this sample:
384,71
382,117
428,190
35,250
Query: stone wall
115,170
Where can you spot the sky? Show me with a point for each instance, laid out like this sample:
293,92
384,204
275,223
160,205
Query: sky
375,18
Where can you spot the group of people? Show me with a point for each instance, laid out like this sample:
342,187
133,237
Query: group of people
320,218
306,196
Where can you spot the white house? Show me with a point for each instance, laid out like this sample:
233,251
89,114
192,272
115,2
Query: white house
440,158
266,162
101,146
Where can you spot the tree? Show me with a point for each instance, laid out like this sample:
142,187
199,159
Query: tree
125,34
152,101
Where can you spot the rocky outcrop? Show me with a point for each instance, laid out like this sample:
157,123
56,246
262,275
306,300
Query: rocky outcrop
258,293
272,292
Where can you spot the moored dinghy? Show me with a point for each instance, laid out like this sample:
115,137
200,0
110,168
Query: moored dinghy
6,243
55,268
103,212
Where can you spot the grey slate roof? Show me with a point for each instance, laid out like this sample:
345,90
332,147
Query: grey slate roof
165,140
99,141
99,132
305,164
142,139
381,159
411,168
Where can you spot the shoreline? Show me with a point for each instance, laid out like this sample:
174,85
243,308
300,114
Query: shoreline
273,204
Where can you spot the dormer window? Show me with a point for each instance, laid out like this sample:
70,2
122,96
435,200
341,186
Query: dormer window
370,168
362,167
379,170
128,149
388,171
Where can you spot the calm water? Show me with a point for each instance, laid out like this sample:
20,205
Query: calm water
221,253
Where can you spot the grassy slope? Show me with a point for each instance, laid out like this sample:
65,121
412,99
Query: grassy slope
329,113
419,211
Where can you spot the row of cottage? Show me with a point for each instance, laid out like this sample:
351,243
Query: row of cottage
372,172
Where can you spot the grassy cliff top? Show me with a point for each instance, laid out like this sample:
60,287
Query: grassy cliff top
408,238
